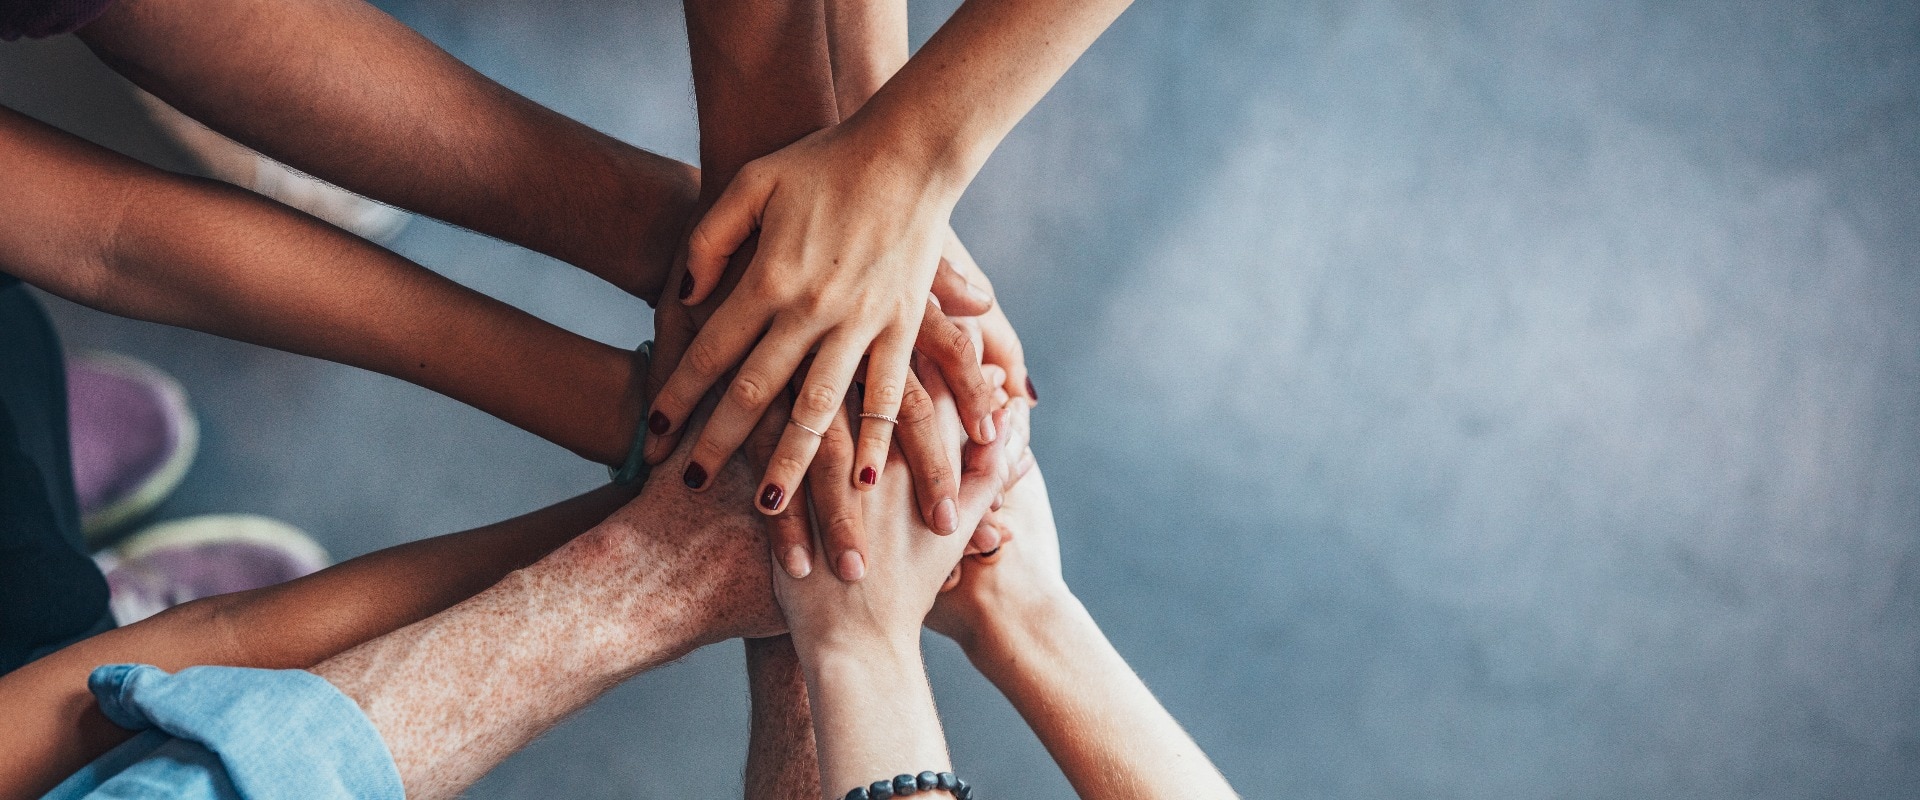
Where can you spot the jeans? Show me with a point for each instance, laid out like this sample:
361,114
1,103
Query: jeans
229,732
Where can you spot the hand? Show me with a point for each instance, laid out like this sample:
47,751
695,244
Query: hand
1021,573
906,566
850,237
999,345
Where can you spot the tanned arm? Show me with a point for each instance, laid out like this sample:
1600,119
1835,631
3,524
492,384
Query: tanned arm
113,234
340,90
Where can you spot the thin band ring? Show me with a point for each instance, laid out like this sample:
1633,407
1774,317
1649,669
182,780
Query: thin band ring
802,426
879,416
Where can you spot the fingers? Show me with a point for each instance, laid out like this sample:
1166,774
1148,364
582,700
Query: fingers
949,347
719,346
814,408
758,384
788,534
720,232
927,460
836,504
888,369
984,475
1000,345
957,296
673,331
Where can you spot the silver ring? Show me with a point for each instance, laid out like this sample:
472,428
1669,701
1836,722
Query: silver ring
796,423
881,417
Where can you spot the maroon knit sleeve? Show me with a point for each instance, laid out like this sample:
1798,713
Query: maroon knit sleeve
38,18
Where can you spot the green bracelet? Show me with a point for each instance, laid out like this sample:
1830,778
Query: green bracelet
634,470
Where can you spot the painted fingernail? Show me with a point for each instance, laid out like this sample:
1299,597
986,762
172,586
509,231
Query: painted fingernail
770,496
1031,394
852,566
946,519
798,564
868,475
686,286
657,423
695,476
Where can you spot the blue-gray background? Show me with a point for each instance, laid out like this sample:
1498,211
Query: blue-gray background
1457,399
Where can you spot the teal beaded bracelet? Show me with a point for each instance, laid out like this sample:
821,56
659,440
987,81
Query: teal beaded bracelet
904,784
635,468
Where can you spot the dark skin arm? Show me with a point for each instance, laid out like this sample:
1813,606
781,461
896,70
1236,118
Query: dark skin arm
54,727
113,234
340,90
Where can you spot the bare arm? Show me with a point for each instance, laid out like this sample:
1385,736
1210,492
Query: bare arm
667,574
53,726
107,232
780,754
1029,635
339,89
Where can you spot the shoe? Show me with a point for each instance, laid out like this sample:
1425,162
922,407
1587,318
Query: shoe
133,438
176,562
232,162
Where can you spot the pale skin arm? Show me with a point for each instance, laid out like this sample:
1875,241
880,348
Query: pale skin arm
342,91
53,726
107,232
1019,624
852,221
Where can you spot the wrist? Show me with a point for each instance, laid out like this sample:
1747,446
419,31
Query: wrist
1020,625
901,137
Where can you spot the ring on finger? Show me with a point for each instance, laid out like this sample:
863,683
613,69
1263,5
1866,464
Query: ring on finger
879,416
802,426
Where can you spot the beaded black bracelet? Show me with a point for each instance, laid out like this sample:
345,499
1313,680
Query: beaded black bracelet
904,784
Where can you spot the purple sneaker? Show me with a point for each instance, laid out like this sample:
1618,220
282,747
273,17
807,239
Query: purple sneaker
133,437
175,562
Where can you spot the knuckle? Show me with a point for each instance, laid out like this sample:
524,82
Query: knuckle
788,464
751,391
883,395
705,359
915,412
816,401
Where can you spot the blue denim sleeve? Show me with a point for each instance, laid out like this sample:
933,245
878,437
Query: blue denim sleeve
228,732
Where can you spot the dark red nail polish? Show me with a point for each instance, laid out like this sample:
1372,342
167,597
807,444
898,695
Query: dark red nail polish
1031,394
695,476
868,476
686,286
770,497
658,424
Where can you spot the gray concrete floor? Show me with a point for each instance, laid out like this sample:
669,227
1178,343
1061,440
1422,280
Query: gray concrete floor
1459,399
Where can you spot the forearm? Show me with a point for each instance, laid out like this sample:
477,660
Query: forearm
454,694
762,76
952,103
54,727
781,763
873,715
107,232
1107,732
342,91
868,41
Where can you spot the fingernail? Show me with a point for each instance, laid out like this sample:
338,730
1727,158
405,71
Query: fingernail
657,423
695,476
978,294
1031,394
852,566
798,564
868,476
945,518
686,286
987,429
770,496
